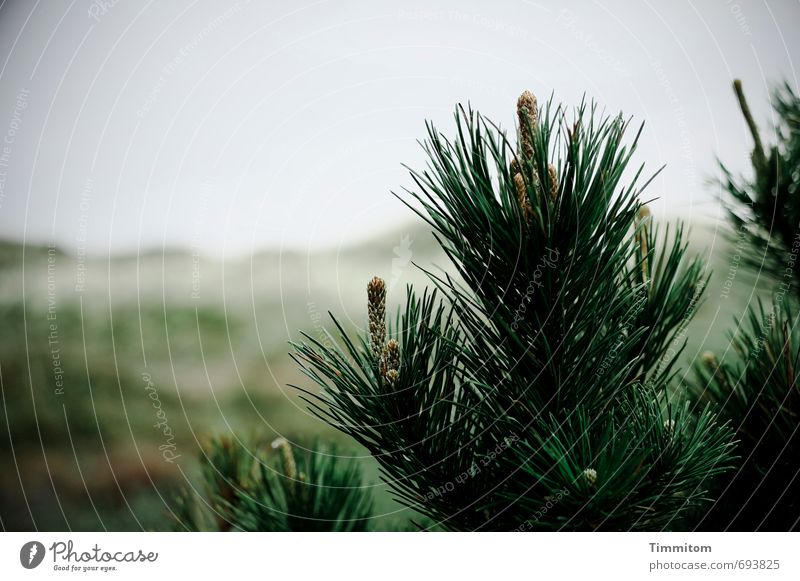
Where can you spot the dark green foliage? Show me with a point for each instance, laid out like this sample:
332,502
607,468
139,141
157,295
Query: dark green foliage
754,384
286,488
541,371
766,207
756,387
639,462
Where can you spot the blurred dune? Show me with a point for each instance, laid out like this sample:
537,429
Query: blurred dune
93,349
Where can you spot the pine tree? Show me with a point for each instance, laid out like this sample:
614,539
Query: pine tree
754,384
765,208
248,486
536,389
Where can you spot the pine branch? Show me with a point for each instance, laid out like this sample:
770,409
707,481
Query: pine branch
252,487
765,208
756,387
545,371
755,384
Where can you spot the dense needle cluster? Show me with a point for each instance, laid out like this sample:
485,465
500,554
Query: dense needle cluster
534,388
251,486
542,364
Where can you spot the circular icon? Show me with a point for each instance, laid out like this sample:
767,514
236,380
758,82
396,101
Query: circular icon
31,554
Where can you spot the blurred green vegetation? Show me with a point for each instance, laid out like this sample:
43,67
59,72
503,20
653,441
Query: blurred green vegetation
90,454
108,397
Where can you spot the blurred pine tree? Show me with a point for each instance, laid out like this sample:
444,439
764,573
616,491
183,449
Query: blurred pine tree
248,487
755,383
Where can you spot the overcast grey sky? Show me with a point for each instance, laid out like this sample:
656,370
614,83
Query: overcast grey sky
235,126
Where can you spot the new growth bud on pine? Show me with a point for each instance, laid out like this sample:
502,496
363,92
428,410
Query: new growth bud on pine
392,359
287,458
642,225
528,117
390,362
376,307
709,360
553,175
590,476
522,196
388,354
393,355
669,428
